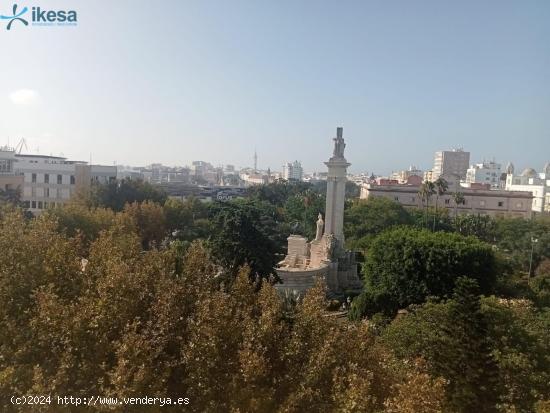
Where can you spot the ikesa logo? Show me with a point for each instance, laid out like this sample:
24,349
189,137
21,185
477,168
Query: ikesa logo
40,17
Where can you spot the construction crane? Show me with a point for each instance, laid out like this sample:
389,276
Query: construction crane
22,143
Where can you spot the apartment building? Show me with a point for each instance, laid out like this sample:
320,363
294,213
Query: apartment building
51,180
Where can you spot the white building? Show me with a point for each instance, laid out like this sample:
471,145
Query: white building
52,180
404,175
9,178
484,173
453,162
531,181
293,170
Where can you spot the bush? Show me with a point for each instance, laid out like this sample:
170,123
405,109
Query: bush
405,266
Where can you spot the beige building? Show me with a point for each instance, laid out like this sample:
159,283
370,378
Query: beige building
481,200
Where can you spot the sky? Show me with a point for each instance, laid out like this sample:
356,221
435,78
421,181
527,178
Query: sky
137,82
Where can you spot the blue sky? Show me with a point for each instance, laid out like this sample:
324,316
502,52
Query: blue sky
142,81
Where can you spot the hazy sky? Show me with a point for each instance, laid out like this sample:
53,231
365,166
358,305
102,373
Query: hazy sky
138,82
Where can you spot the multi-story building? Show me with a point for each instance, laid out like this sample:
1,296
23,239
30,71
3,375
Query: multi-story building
453,162
9,178
484,173
404,175
52,180
531,181
478,199
293,170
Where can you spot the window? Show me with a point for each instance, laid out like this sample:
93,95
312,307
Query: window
396,198
500,203
59,179
39,204
33,178
46,178
72,180
27,204
33,204
413,199
447,201
46,192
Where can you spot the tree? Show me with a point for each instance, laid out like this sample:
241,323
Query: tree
246,232
365,219
132,323
117,194
277,193
459,199
441,187
405,266
426,191
301,212
491,351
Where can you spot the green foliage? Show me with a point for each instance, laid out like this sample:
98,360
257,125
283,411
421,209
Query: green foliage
301,212
76,219
131,324
481,226
405,266
277,193
489,349
246,232
367,218
115,195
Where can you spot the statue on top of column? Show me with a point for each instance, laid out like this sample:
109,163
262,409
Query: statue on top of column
339,144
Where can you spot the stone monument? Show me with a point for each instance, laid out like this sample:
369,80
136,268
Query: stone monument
324,257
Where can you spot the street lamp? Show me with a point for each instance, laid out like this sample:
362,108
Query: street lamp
533,242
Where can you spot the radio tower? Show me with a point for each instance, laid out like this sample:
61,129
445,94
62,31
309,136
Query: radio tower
255,162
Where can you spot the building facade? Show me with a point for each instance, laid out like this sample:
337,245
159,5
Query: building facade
480,201
530,181
485,173
453,162
293,171
50,181
10,179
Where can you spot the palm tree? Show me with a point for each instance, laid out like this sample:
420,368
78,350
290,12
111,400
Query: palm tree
426,191
441,187
459,199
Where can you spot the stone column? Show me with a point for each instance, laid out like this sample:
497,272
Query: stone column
336,189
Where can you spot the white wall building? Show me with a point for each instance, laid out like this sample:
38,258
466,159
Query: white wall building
484,173
52,180
531,181
453,162
293,170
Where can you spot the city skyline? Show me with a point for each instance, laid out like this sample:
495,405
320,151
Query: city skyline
216,81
